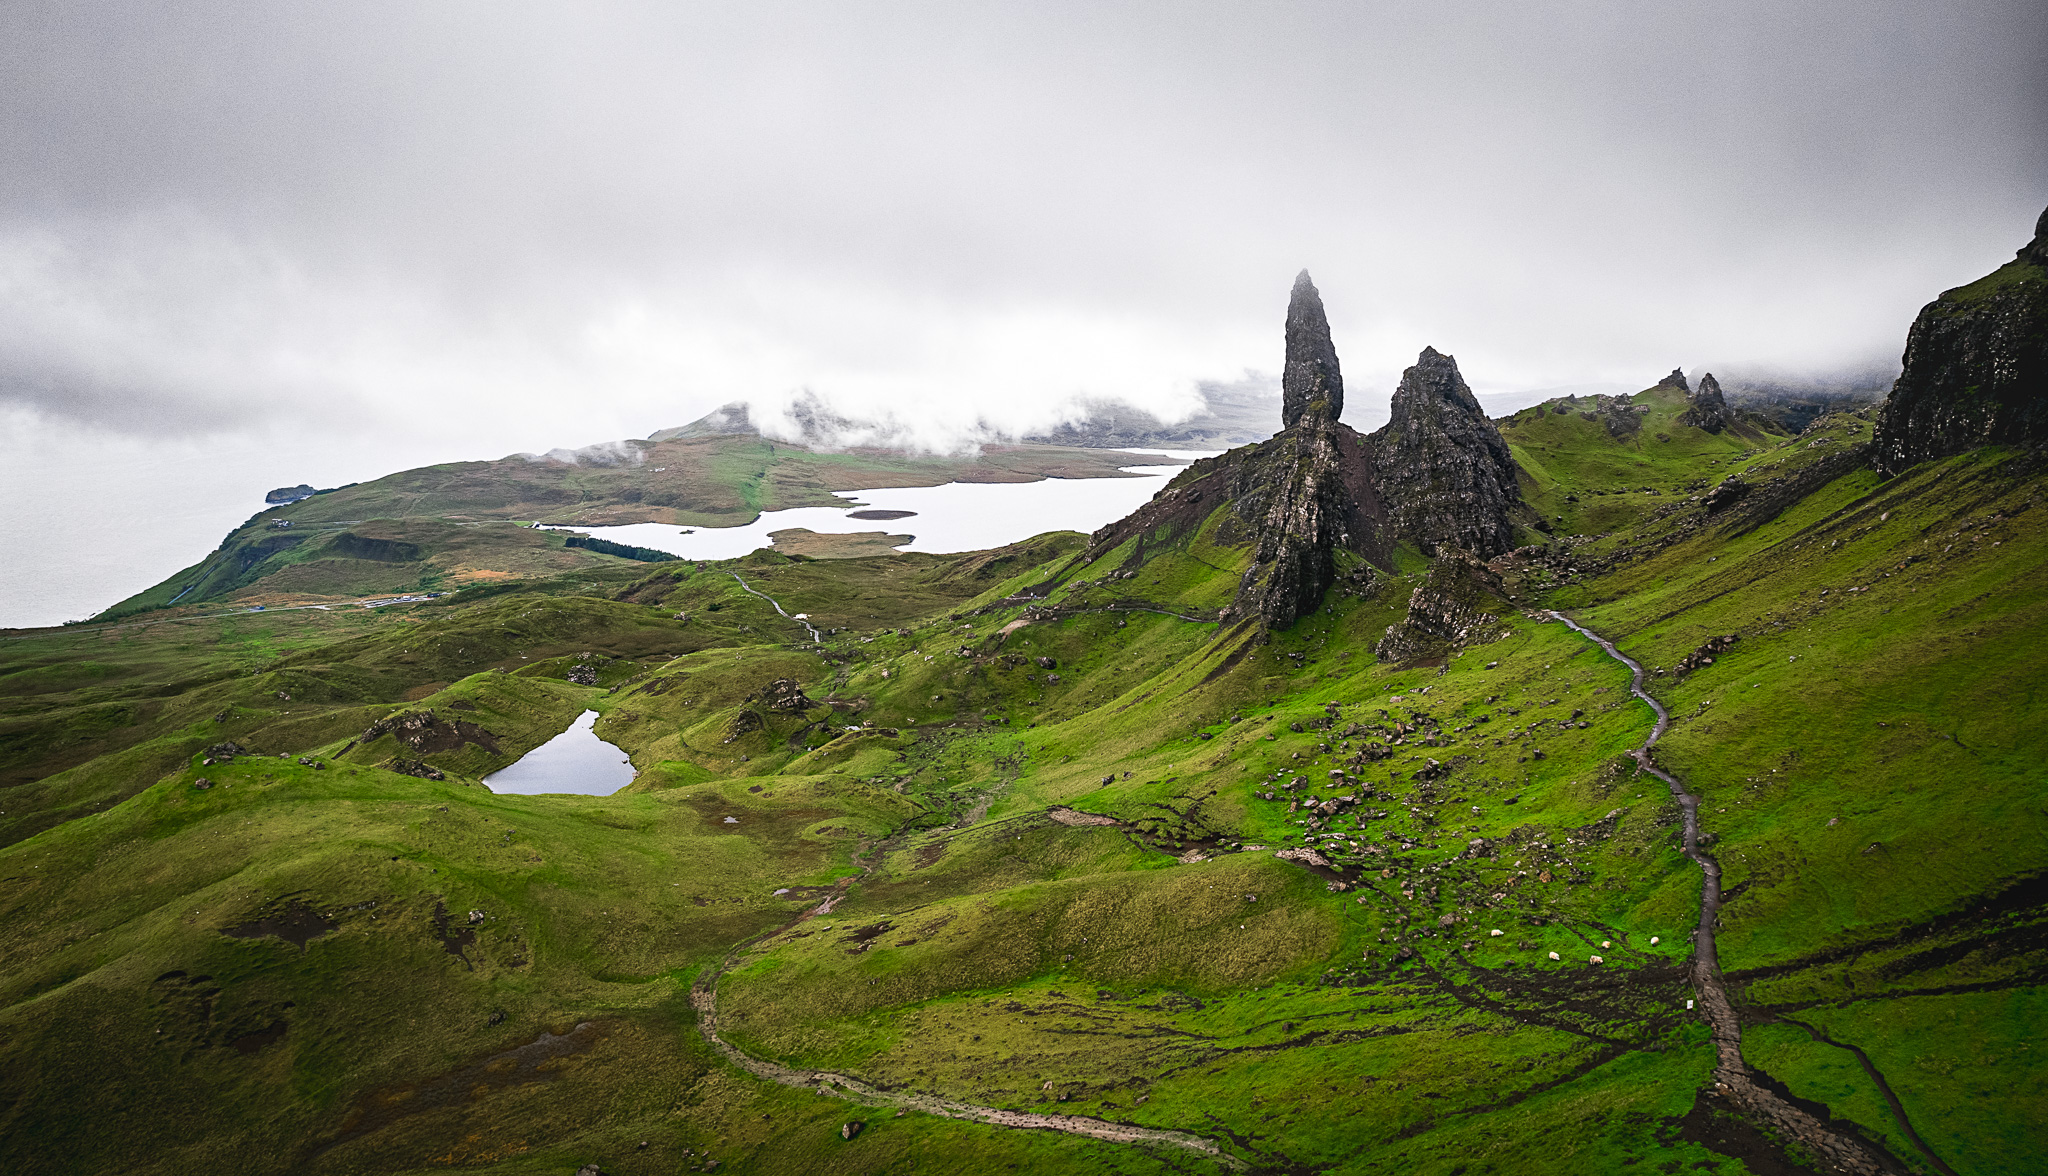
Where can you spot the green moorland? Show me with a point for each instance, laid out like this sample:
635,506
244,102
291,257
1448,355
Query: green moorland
1024,854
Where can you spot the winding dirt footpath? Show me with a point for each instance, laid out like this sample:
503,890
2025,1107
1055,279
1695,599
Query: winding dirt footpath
1732,1080
704,998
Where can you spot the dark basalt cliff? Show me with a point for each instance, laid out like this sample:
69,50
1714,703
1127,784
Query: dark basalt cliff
1443,466
1310,384
1976,367
1705,407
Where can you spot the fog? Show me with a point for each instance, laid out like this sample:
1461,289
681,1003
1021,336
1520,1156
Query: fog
326,241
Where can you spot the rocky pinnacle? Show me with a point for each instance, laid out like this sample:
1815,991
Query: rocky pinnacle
1443,466
1310,384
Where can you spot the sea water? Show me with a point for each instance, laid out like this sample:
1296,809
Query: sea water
958,516
574,761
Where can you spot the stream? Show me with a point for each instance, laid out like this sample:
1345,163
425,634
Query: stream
815,635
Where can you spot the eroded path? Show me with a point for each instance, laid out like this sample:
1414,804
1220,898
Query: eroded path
1732,1079
704,998
815,635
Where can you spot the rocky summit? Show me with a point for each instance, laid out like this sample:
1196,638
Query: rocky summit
1310,383
1975,368
1705,407
1443,466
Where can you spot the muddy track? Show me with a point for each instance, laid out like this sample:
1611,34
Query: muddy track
1732,1079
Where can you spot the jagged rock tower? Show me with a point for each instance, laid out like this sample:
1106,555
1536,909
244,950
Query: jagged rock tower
1444,466
1310,383
1705,408
1439,474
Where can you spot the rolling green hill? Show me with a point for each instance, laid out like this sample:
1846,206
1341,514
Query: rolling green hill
1068,856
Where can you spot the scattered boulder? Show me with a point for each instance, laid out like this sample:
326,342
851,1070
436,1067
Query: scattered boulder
583,675
849,1130
412,767
783,694
1705,654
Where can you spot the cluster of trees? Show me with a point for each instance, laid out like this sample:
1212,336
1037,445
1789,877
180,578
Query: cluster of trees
625,550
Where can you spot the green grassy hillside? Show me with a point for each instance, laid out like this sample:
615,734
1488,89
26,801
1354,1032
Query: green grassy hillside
465,523
1028,854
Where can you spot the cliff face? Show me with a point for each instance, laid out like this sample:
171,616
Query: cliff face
1310,384
1976,367
1325,497
1443,466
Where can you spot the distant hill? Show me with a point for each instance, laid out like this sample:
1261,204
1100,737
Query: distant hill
1234,414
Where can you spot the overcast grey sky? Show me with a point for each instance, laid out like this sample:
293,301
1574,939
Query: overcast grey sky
499,226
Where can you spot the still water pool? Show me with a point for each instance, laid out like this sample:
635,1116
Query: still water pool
574,761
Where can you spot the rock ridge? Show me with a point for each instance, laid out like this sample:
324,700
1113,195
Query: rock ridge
1975,368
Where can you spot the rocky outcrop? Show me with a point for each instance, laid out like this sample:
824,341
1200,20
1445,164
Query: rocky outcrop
783,694
1705,409
1311,386
1675,380
1324,498
1976,367
1458,603
428,735
288,494
1294,500
1443,467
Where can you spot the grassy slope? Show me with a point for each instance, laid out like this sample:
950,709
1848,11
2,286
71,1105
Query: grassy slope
988,951
449,525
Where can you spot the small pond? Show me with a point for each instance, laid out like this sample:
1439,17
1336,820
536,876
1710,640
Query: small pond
574,761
